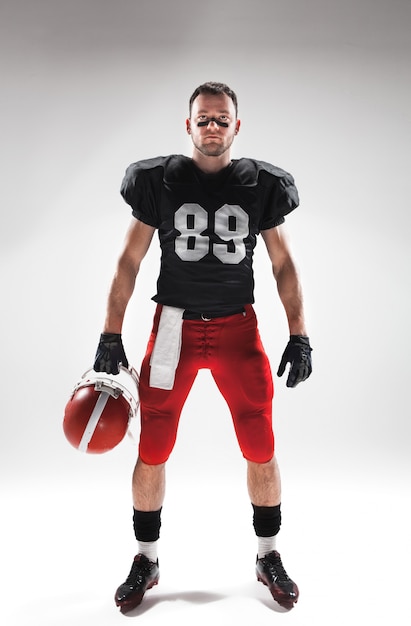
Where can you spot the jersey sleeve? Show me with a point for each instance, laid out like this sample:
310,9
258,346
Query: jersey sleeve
281,196
140,188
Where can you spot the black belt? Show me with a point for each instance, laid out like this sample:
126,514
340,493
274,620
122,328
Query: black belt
206,317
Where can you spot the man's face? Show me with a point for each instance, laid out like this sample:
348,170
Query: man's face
212,138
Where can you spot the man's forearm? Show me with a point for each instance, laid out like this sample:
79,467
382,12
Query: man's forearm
120,293
291,296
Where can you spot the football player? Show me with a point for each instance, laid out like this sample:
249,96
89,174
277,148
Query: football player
208,211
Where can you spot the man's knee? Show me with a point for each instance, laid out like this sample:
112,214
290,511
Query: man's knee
257,442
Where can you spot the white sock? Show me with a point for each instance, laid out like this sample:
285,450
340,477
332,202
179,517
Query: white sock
149,549
266,545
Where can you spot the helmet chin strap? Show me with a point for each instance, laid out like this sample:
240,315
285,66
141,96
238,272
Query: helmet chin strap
213,119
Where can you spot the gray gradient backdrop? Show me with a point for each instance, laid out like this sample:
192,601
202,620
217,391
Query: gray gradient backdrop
89,86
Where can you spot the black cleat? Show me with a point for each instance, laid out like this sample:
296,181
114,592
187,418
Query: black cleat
270,571
143,575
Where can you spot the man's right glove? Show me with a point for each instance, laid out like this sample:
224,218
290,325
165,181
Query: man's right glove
298,354
110,354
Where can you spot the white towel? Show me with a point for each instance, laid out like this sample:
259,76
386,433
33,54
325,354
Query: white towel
167,347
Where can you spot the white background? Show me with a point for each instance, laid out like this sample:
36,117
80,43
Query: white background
324,92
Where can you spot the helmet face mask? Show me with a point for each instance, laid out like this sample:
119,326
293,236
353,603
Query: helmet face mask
98,413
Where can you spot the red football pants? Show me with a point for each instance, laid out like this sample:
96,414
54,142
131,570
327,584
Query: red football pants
230,347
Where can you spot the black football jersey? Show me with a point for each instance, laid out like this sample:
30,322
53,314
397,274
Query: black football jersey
207,225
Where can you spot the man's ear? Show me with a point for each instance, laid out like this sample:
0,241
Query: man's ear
188,126
237,126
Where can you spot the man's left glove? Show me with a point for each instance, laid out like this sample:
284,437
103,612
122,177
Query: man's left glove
110,354
298,354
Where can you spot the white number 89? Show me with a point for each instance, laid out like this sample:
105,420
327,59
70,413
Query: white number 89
231,226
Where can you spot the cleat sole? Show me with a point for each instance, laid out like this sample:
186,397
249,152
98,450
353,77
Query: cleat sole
134,602
285,604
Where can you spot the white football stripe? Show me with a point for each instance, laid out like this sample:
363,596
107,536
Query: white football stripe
93,421
167,347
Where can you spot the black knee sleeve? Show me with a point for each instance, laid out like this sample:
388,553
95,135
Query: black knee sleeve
266,520
147,525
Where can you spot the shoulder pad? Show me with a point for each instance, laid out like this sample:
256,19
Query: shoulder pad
175,168
270,175
249,170
178,169
146,165
272,169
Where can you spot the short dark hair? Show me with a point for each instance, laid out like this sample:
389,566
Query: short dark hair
214,89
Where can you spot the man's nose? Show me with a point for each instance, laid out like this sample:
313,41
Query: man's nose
214,123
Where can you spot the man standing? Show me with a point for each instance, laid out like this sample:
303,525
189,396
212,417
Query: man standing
208,211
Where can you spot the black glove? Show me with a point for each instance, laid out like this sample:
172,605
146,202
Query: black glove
298,354
110,354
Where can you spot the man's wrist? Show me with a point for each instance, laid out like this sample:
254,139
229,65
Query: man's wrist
109,336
